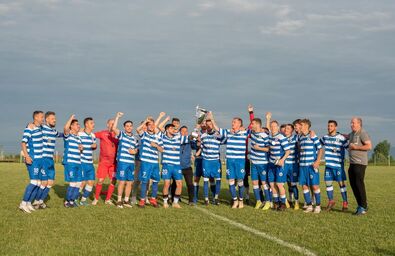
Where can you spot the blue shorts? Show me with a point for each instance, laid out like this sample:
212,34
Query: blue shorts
292,171
211,169
48,170
335,174
125,171
235,169
259,172
35,168
308,177
88,172
198,167
170,171
72,172
149,171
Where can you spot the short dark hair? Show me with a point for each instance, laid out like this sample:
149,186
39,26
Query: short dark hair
239,119
73,121
175,119
266,129
290,125
297,121
183,127
283,126
332,122
257,120
49,113
87,120
168,126
127,121
37,112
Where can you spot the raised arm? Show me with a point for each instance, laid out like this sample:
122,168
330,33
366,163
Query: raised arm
114,127
251,113
211,117
162,124
268,119
157,121
66,128
141,126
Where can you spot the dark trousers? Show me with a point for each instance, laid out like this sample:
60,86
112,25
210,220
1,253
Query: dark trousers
356,174
188,176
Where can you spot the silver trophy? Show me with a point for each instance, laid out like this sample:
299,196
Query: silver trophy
201,114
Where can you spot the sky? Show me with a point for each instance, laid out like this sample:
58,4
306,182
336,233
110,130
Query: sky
316,59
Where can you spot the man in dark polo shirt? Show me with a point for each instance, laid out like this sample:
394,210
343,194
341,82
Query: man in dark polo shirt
360,144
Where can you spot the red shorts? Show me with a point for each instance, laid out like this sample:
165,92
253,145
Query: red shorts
106,169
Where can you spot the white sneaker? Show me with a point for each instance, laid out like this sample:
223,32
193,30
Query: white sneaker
24,208
147,201
30,207
36,202
309,209
317,209
165,205
109,202
304,206
95,201
133,200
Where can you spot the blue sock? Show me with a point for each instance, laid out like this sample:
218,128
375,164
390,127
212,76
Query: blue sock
283,198
232,189
76,193
270,195
212,188
28,192
257,194
217,187
329,192
343,191
86,193
307,197
241,192
68,193
267,194
34,193
296,192
143,190
205,189
44,195
154,189
275,198
40,192
317,195
195,192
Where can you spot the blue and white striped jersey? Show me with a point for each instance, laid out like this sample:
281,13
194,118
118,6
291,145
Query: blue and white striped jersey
149,153
172,148
125,143
278,145
235,143
308,149
210,144
335,147
49,140
87,140
33,138
262,140
293,155
72,153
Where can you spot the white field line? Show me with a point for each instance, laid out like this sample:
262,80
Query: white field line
294,247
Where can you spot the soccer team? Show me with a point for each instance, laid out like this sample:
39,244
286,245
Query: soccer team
273,155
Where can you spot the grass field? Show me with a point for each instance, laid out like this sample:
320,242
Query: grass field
103,229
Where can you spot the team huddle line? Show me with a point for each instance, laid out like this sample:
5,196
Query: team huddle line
273,156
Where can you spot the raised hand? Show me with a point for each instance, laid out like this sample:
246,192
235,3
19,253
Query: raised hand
250,108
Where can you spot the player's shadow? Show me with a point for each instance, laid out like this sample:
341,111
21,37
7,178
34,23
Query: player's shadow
60,190
381,251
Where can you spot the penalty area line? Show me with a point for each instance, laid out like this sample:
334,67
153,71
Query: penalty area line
264,235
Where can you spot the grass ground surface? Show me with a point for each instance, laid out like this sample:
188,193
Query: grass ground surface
103,229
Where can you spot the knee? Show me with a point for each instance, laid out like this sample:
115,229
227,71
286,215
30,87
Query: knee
240,183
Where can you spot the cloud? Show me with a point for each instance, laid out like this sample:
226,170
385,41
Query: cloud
284,27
